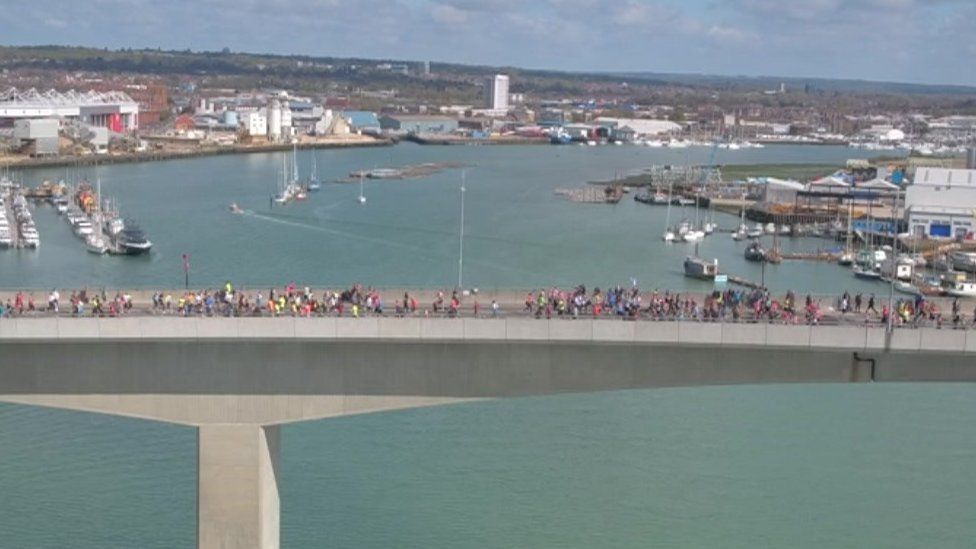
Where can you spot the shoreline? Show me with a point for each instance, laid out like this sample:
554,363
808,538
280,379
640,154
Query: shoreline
131,158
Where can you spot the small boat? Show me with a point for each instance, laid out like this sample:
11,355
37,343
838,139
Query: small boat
235,209
668,236
785,230
683,201
83,228
964,261
959,288
740,234
846,259
659,198
755,252
756,232
694,236
770,228
96,244
866,273
907,288
709,228
696,267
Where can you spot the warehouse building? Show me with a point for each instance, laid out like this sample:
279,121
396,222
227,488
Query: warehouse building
38,135
941,203
418,124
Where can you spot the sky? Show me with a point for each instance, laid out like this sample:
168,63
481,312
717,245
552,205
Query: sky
923,41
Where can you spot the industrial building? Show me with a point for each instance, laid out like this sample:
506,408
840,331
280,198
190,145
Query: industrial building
362,121
113,110
941,203
418,124
40,135
641,126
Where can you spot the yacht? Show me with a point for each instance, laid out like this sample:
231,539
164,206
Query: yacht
131,240
846,259
83,228
770,228
741,233
756,232
694,235
668,236
696,267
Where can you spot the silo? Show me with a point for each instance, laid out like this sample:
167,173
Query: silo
274,121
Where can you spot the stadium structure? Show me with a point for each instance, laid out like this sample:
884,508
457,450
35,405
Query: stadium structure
114,110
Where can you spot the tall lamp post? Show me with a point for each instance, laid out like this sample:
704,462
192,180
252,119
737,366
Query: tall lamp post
461,234
892,264
186,271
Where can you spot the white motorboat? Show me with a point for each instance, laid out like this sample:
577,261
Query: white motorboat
846,258
96,244
709,228
756,232
785,230
770,228
694,236
906,288
959,288
866,273
83,228
668,236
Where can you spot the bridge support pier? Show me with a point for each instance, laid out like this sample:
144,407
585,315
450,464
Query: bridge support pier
237,487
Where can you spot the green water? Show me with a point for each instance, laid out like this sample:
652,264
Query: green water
802,467
518,233
792,466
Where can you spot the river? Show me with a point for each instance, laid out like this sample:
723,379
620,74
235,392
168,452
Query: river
775,466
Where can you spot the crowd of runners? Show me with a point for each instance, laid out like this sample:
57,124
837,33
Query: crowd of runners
631,303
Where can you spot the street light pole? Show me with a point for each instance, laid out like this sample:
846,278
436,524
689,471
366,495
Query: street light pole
461,235
893,264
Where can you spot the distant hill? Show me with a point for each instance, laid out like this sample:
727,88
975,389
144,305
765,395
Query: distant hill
161,62
794,83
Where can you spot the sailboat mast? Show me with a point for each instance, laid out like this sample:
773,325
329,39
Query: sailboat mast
667,220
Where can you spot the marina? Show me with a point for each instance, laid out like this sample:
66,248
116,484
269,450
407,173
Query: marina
512,212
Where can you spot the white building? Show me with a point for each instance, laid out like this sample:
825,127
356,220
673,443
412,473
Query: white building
941,203
496,93
643,126
254,123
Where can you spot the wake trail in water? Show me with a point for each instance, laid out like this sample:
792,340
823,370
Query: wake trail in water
419,230
405,247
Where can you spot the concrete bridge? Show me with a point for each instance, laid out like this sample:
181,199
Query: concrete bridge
238,379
